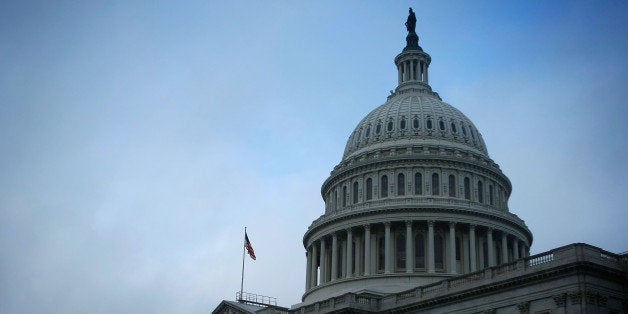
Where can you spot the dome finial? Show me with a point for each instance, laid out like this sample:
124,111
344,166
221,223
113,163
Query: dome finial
412,40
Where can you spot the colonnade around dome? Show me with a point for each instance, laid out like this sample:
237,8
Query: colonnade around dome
423,248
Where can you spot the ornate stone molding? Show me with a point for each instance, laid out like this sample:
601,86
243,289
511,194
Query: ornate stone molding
560,299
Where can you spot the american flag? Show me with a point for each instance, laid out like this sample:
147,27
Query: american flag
248,246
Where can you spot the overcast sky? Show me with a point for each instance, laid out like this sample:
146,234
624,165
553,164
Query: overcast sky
140,138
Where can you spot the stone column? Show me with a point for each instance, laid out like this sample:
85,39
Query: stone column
334,256
465,253
343,265
349,253
426,80
515,249
430,246
405,71
367,250
314,274
452,247
308,269
472,250
409,247
480,251
399,75
504,248
491,247
323,270
387,249
358,256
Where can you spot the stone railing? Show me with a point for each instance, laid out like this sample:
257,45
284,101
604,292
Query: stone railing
578,252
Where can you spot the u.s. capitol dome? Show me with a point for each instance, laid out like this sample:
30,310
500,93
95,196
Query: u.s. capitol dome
414,200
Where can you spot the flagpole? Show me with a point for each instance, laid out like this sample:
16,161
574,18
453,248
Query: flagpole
242,278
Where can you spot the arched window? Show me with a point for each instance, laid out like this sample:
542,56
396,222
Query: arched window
419,251
390,125
453,127
464,130
452,185
480,192
415,123
368,131
439,251
441,125
400,242
429,123
355,192
418,183
467,188
344,196
378,128
435,184
402,124
490,194
381,253
384,186
401,184
369,189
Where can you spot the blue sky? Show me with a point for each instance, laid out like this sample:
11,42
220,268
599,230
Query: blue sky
138,139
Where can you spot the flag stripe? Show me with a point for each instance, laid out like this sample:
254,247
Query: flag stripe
248,246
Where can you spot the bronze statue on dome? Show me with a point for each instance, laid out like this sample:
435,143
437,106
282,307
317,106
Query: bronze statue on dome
411,22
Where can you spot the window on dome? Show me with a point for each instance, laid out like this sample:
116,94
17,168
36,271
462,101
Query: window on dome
418,183
415,123
439,252
480,192
369,189
401,184
378,128
355,192
359,135
390,126
344,196
400,242
453,128
490,194
472,133
419,251
429,123
435,184
384,186
381,253
368,131
485,253
467,188
452,185
402,124
441,125
464,130
458,255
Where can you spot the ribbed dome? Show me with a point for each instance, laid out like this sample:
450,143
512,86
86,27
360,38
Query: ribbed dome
414,119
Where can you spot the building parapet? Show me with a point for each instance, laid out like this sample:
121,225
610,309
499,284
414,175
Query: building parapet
577,253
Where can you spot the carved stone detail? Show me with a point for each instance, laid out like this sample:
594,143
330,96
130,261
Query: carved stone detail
560,299
524,307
